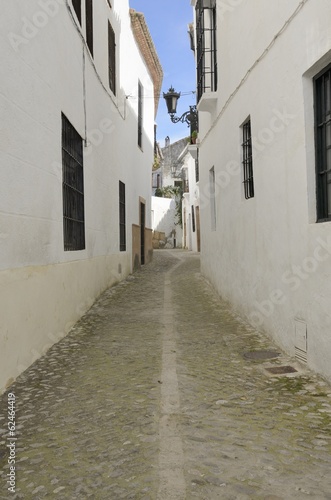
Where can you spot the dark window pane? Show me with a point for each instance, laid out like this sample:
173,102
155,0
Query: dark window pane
122,216
112,58
73,187
323,144
89,24
140,114
193,218
77,5
248,161
206,29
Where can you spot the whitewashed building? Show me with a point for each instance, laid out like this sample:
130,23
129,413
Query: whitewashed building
76,150
191,199
264,92
165,210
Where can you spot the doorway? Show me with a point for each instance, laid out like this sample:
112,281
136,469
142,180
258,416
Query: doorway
197,221
142,233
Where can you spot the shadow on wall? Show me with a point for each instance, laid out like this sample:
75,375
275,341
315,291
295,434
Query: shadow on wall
166,232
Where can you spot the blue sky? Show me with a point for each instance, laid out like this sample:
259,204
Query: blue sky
167,21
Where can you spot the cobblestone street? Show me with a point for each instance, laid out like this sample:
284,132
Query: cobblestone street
150,397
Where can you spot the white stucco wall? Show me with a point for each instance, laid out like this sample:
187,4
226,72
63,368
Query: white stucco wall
164,219
267,256
44,289
190,199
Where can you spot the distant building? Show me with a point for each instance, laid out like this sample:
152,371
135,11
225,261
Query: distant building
264,102
76,149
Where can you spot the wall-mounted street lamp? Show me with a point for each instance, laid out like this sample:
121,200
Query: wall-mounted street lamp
190,117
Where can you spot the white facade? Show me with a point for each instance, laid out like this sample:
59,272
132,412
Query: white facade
48,70
191,202
164,220
267,255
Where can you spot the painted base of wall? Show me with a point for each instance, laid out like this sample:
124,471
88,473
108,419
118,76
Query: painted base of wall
51,300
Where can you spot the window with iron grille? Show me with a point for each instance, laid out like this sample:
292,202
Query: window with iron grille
323,144
193,218
247,160
77,5
72,187
89,24
112,58
206,30
140,114
122,217
197,172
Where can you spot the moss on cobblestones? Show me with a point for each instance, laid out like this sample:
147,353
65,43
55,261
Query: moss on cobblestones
88,412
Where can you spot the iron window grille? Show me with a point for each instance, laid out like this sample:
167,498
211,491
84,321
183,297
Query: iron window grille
142,232
248,161
206,30
72,187
89,24
323,144
77,5
193,218
122,216
197,170
112,59
140,114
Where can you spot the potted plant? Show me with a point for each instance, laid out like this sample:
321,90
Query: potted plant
194,136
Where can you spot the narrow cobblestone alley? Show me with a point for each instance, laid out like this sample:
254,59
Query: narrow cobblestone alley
150,396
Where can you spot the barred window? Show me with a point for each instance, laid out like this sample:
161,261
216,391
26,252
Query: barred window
89,24
122,216
323,144
197,169
247,161
140,114
112,59
193,218
77,5
72,187
206,30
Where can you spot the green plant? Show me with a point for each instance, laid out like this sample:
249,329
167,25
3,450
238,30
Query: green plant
156,163
194,136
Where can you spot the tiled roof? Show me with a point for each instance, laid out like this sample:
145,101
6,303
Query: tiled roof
148,51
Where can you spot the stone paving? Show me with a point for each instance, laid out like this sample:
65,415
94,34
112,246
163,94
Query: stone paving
150,397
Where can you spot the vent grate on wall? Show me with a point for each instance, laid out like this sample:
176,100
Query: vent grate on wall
300,340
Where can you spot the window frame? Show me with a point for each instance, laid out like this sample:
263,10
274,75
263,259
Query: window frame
140,113
111,58
72,187
247,159
122,216
89,25
323,200
77,6
206,47
193,218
